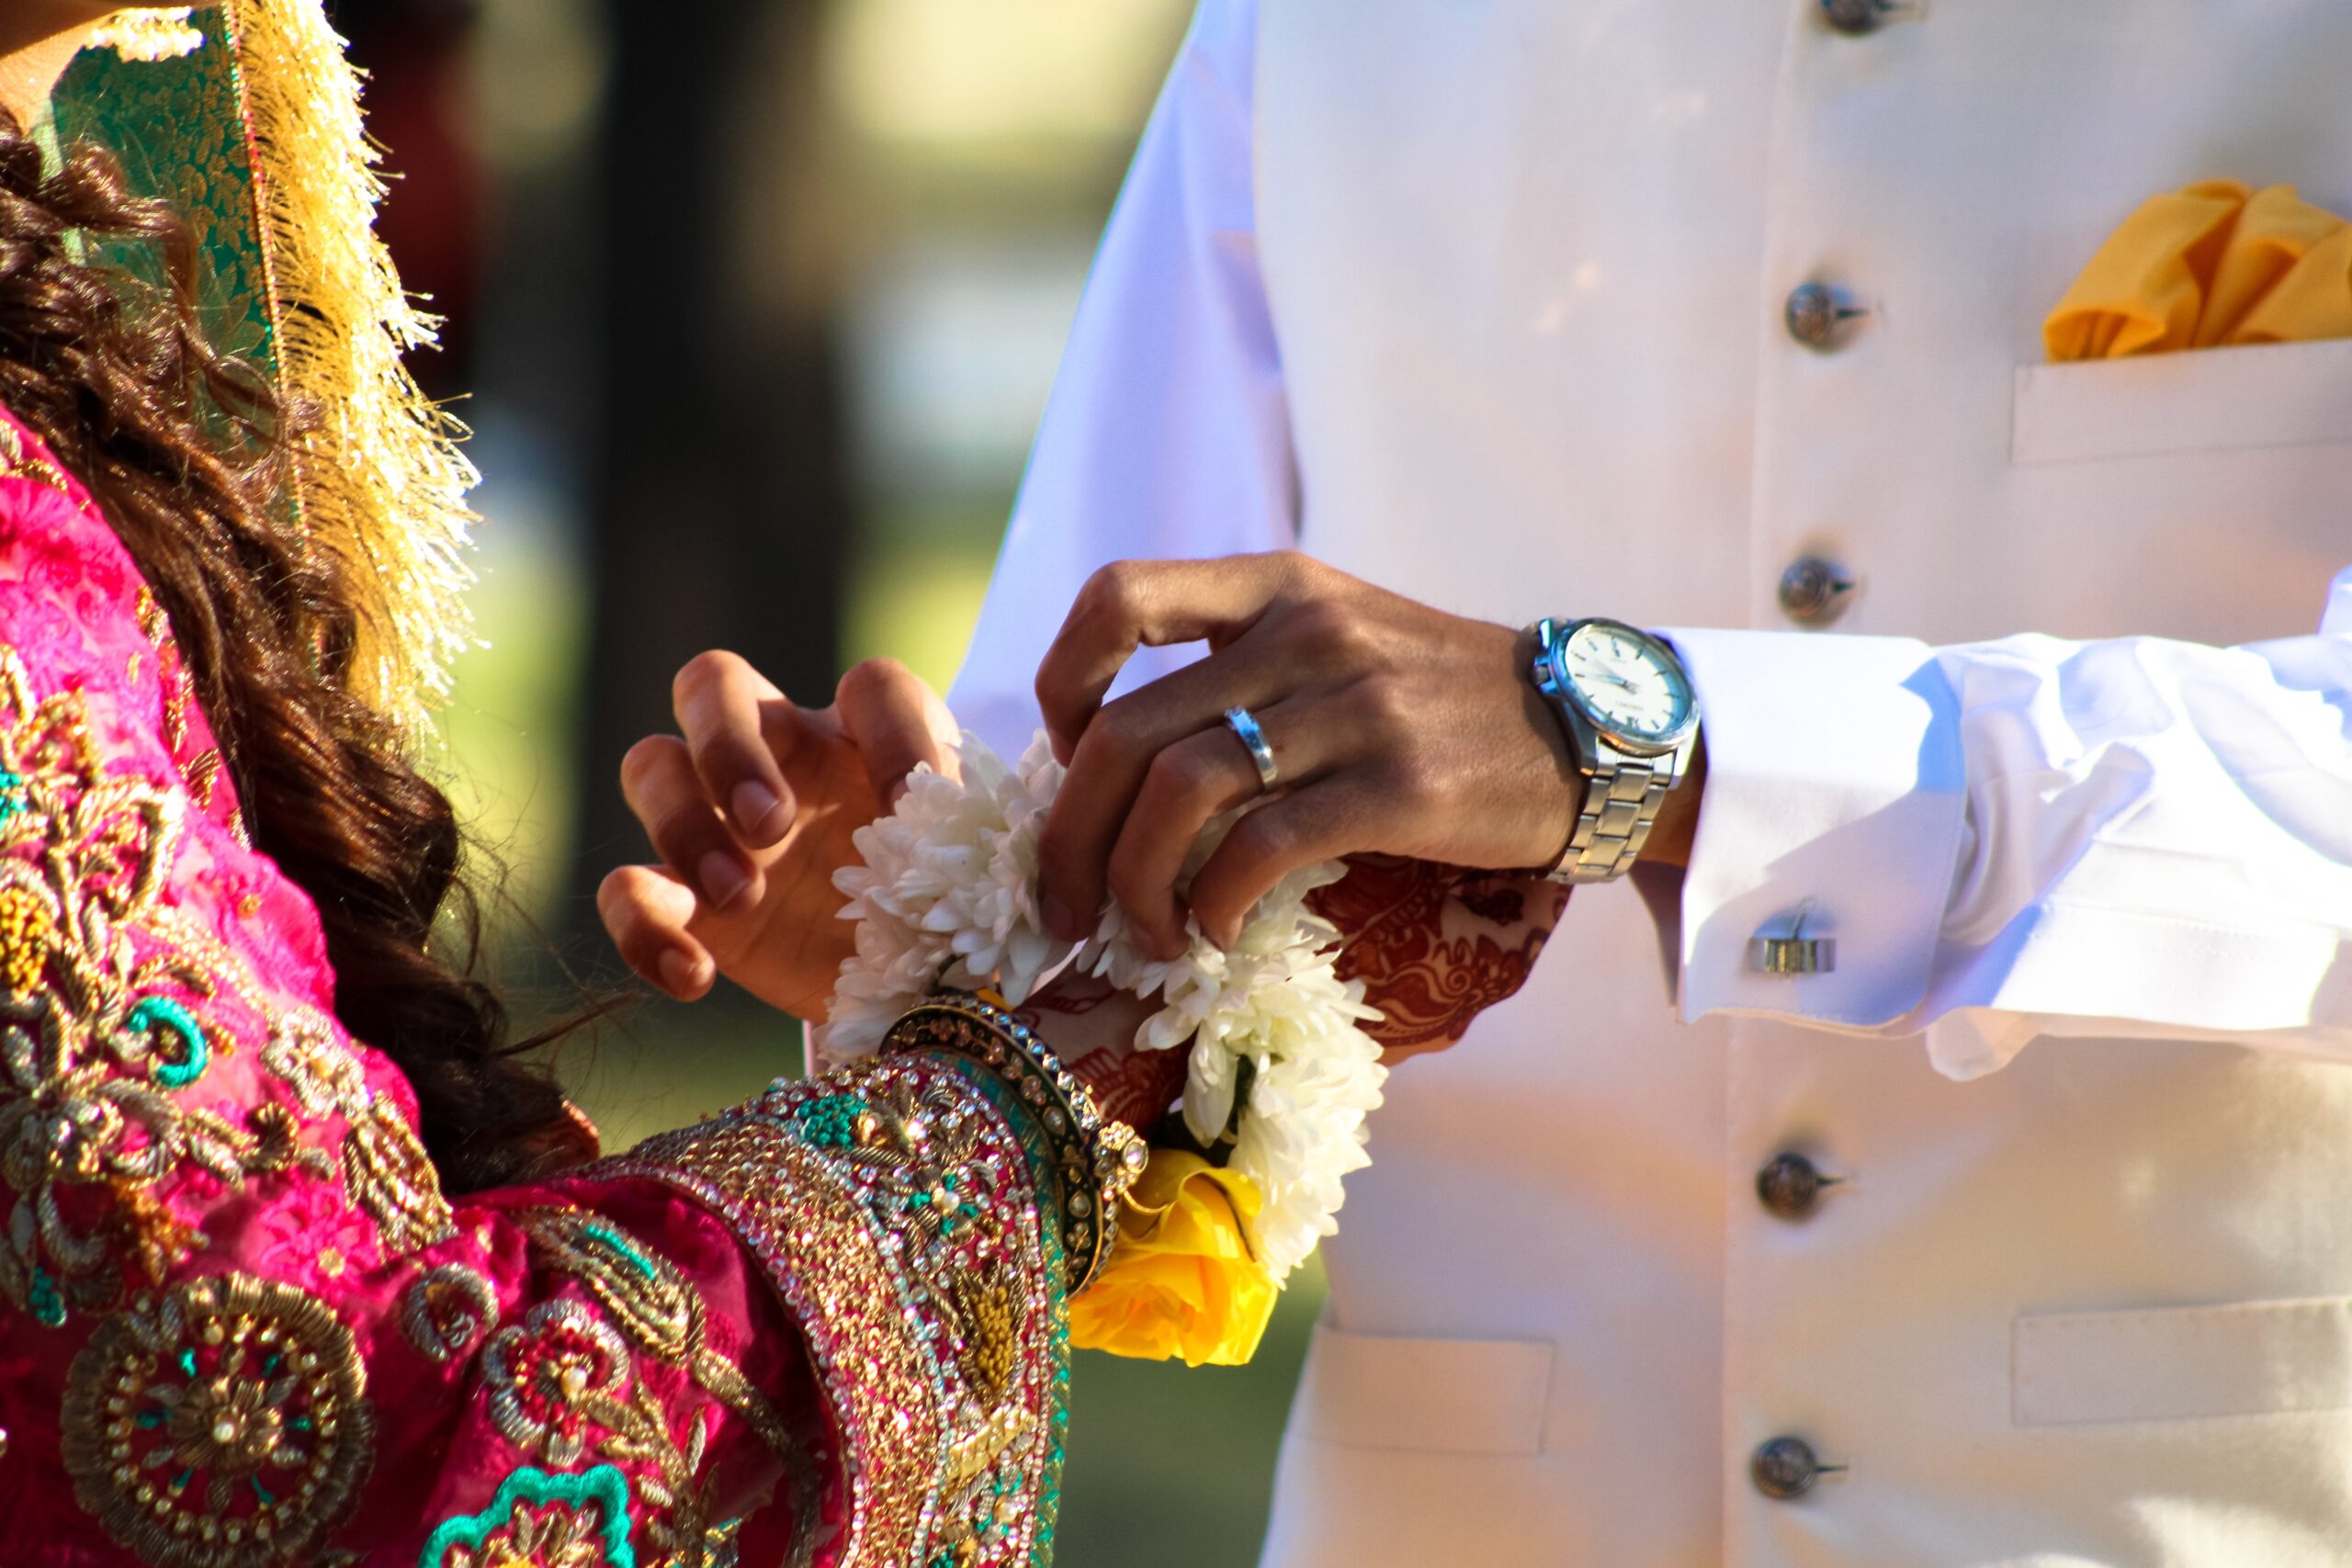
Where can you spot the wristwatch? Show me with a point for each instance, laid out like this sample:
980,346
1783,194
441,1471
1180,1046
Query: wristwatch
1626,704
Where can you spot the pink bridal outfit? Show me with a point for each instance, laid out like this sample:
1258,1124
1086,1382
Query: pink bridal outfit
241,1323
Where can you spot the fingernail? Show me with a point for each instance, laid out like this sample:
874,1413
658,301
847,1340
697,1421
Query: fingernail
678,971
754,804
722,880
1060,919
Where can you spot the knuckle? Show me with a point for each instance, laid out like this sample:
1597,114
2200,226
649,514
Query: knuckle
1262,836
1115,592
1179,775
1387,708
1118,735
700,676
643,762
616,900
1334,630
871,678
683,832
1294,566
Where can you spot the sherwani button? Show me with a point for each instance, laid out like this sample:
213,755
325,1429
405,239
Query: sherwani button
1790,1185
1785,1468
1854,17
1812,592
1813,312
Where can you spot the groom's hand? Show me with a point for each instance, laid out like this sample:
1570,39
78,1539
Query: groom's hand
750,807
1394,727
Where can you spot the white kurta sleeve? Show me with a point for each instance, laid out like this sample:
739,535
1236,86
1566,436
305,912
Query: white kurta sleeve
1167,434
2134,836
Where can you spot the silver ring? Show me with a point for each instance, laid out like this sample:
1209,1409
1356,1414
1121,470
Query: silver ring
1244,726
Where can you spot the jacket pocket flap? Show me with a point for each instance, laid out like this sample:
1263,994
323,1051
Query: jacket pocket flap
2176,1363
2201,400
1461,1397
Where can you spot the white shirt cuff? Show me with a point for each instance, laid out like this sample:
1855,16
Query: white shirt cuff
1835,790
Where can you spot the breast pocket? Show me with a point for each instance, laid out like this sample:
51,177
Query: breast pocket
1453,1397
2180,1363
2212,399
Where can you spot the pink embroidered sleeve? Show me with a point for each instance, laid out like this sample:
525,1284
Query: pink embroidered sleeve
241,1325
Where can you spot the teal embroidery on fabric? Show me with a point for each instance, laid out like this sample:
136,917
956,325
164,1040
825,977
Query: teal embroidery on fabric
604,1487
161,1015
830,1123
627,1249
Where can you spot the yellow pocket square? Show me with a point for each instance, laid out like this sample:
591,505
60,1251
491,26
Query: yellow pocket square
2210,266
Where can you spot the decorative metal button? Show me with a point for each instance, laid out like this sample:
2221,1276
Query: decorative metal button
1814,592
1813,312
1790,1185
1785,1468
1854,17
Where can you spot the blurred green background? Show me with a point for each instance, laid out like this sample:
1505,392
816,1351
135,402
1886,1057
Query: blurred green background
754,307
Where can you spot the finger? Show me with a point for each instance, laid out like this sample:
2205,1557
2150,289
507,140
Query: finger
722,703
1128,604
1186,786
897,722
659,781
1113,758
1339,816
646,911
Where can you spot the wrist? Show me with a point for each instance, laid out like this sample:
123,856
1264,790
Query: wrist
1092,1160
1677,827
1623,702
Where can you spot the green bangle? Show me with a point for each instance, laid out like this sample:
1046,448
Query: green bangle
1098,1159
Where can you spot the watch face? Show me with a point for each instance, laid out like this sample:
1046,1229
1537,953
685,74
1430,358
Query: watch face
1627,681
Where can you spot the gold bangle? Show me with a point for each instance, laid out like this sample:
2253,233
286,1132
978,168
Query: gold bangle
1098,1159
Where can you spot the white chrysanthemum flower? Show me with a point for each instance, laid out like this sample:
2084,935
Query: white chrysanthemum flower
948,892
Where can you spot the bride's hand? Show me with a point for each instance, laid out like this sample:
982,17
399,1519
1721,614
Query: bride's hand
750,809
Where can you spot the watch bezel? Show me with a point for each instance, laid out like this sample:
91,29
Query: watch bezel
1570,688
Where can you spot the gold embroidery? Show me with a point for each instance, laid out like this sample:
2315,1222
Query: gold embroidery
101,1028
202,777
896,1210
663,1314
222,1424
562,1383
445,1312
19,461
386,1171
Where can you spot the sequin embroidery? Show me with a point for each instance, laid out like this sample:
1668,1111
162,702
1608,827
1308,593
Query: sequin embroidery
221,1424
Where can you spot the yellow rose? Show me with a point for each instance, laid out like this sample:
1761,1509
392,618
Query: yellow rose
1181,1280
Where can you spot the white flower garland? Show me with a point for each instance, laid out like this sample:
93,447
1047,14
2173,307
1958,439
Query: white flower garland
949,895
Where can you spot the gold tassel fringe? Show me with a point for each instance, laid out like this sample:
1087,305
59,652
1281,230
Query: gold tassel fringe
378,477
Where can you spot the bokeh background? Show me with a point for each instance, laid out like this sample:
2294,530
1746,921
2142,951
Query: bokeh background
754,306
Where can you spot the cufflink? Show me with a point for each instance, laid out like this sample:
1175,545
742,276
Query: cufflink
1789,951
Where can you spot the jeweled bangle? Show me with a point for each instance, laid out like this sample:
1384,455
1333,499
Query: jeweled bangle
1097,1158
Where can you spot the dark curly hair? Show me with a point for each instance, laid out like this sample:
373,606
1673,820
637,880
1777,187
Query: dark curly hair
183,449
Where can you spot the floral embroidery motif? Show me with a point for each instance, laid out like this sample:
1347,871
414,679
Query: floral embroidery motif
446,1311
555,1377
539,1520
556,1388
100,1027
221,1425
385,1169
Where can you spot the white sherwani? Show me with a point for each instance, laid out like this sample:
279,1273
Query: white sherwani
1482,299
